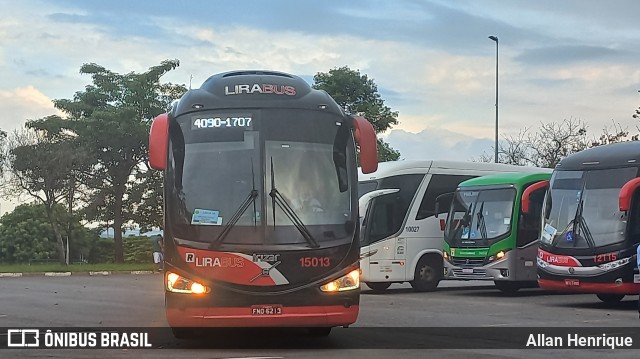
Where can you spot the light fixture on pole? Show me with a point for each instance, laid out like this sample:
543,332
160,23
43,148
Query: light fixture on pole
495,38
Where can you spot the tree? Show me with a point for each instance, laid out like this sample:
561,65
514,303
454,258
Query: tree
110,120
145,200
3,139
637,112
43,166
25,234
358,94
545,148
554,141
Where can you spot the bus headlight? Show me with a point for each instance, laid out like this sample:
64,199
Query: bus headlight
347,282
179,284
542,263
497,256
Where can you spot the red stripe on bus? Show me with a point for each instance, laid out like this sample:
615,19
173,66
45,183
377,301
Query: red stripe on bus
558,260
225,266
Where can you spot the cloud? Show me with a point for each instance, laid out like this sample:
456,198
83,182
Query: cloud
437,144
21,104
569,54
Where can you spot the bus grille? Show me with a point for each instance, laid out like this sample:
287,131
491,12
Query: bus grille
477,272
464,262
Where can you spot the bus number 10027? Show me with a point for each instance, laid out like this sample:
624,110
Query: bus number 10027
315,262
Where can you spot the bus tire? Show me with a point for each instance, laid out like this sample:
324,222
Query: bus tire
319,331
378,287
427,275
507,287
610,298
182,333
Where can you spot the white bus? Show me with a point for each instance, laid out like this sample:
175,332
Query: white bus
401,239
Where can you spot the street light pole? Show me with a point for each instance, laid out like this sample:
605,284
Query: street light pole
495,38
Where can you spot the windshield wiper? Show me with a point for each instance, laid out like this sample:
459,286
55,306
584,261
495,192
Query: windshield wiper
234,219
581,224
277,198
251,198
482,226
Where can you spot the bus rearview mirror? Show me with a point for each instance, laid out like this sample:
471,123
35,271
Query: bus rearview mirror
365,135
159,142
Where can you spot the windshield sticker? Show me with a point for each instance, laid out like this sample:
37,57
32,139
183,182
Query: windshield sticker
507,221
474,234
548,232
465,232
206,217
569,236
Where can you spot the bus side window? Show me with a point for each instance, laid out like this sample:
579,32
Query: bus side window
439,184
529,224
388,212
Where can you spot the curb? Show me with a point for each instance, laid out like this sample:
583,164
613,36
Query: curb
57,274
69,274
142,272
100,273
10,275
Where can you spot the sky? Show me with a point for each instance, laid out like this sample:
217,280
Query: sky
432,60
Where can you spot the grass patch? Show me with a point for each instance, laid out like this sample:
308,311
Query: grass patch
55,267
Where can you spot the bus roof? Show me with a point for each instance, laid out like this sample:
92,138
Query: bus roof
394,168
623,154
254,89
511,178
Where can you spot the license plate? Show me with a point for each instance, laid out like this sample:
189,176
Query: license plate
467,270
572,282
271,309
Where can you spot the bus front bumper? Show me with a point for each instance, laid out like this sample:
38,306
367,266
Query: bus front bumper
498,270
578,285
301,316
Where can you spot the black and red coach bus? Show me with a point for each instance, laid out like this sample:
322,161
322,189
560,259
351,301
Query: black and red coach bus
261,204
592,223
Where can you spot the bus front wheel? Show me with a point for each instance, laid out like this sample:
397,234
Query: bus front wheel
610,298
507,287
427,275
182,333
319,331
378,286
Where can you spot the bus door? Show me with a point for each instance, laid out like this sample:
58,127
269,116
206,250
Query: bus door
529,225
376,209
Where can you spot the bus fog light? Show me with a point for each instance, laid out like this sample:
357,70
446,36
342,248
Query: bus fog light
179,284
347,282
615,264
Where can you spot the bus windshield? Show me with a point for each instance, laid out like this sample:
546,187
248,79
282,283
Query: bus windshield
479,217
582,208
261,180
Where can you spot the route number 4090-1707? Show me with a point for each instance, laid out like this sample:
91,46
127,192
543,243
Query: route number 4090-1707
214,122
